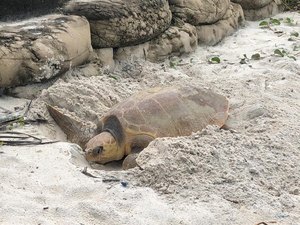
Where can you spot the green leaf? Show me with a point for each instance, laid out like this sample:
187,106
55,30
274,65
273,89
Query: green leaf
172,64
275,21
278,52
264,24
243,61
215,60
287,20
292,57
296,48
21,121
113,77
1,143
295,34
256,56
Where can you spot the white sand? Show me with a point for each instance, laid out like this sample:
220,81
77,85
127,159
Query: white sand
247,175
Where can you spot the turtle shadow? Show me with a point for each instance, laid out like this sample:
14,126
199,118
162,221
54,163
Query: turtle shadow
111,166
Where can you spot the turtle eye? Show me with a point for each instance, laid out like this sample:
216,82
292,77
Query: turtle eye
97,150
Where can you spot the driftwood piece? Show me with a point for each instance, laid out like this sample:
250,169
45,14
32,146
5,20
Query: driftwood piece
41,48
14,138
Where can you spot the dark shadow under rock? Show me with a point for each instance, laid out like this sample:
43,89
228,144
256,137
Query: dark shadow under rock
20,9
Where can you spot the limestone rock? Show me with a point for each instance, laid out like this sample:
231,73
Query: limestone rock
252,4
214,33
269,10
198,12
105,57
132,53
175,41
41,48
119,23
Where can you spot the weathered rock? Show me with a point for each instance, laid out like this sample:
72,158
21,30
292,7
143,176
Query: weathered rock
132,53
175,41
41,48
252,4
16,9
105,56
267,11
214,33
118,23
197,12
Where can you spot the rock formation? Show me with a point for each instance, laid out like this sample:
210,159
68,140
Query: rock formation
41,48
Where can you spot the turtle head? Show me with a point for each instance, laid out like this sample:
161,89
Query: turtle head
103,148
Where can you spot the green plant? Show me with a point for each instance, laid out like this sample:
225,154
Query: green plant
295,34
113,77
214,60
267,24
289,21
21,121
10,127
245,60
283,53
296,48
174,62
255,56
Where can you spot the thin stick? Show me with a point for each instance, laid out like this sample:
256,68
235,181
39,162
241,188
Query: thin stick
21,143
10,136
27,108
16,132
85,172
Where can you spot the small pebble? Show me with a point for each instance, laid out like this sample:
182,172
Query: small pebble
124,183
253,171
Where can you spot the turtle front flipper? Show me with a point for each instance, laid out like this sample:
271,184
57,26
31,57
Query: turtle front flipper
76,131
137,144
130,161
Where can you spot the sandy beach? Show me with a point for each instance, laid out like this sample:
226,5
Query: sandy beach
248,173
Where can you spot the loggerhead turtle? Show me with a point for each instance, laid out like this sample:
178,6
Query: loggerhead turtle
158,112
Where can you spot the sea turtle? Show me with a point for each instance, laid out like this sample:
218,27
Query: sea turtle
157,112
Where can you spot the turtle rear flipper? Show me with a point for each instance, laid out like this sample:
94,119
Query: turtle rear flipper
76,131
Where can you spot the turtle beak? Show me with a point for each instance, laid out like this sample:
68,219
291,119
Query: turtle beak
87,150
